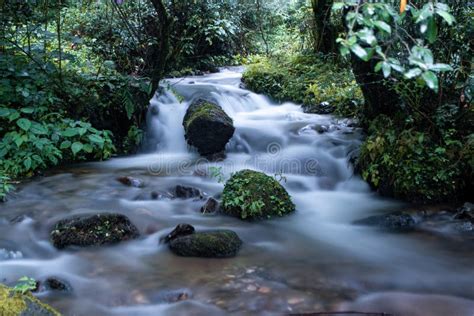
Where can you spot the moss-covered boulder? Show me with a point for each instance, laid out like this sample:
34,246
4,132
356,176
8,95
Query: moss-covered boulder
17,304
250,194
210,244
93,230
207,127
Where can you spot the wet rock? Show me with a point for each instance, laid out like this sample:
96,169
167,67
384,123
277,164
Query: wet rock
397,221
16,304
466,212
207,127
179,231
131,182
210,244
211,206
55,284
154,110
171,296
250,194
185,192
321,108
93,230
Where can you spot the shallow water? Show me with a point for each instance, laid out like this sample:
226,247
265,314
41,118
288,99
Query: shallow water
313,260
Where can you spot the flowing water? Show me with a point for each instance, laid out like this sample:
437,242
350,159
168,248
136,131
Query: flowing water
313,260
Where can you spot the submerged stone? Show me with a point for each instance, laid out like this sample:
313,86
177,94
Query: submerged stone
251,194
397,221
211,206
17,304
185,192
207,127
210,244
93,230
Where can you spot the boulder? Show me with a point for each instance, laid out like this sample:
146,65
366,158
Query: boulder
56,284
185,192
17,304
396,221
207,127
209,244
211,206
179,231
93,230
250,194
131,182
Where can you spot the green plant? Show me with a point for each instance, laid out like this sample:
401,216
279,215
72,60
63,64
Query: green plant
397,41
216,173
25,284
5,187
308,80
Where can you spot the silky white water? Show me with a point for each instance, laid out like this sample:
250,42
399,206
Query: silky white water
313,260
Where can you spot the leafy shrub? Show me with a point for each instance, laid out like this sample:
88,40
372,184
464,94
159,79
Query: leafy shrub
409,164
32,141
308,80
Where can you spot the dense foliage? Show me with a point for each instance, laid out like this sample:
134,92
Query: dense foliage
414,71
420,125
319,84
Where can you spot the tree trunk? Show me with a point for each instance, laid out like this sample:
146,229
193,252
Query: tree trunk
323,35
160,52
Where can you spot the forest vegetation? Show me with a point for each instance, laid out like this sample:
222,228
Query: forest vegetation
77,77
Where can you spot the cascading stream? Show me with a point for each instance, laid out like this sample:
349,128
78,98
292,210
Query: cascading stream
312,260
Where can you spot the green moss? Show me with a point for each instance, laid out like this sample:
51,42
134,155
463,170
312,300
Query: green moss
211,244
16,304
250,194
307,80
203,110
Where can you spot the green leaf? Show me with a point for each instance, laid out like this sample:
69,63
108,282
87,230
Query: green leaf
446,16
88,148
4,112
441,67
24,124
96,139
27,110
38,129
76,147
432,33
70,132
65,144
27,163
378,66
386,69
431,80
412,73
359,51
381,25
13,115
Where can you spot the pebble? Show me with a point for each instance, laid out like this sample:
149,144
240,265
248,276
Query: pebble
264,290
251,288
295,300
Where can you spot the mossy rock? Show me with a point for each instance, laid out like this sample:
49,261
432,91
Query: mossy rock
17,304
210,244
207,127
93,230
250,194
